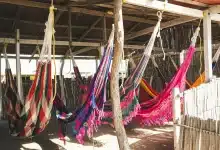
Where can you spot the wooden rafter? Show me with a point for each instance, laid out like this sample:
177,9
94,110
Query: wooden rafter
89,29
57,17
18,12
35,4
57,25
191,2
167,24
83,50
133,28
172,8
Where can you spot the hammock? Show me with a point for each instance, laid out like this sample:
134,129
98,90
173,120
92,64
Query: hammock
128,94
32,117
201,78
159,110
86,118
144,86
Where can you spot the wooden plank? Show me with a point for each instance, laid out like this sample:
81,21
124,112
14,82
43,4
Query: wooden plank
1,96
90,28
176,117
40,42
83,50
18,12
207,34
192,3
18,67
57,17
164,25
56,26
214,9
172,8
74,9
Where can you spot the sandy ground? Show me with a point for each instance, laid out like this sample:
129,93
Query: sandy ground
153,138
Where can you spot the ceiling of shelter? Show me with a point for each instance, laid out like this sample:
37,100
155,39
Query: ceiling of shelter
88,24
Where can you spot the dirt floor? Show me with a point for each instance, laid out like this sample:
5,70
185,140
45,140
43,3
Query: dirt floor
153,138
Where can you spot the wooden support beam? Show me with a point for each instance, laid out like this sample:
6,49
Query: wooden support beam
57,57
90,28
35,4
191,2
66,43
163,26
1,96
57,25
83,50
17,18
18,67
207,31
176,106
40,42
114,85
57,17
104,30
214,9
172,8
133,28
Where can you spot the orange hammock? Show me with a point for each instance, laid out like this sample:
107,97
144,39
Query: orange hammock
148,89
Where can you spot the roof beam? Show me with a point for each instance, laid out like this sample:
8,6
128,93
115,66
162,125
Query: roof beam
133,27
27,3
214,9
163,25
172,8
57,26
191,2
66,43
40,42
83,50
18,12
89,29
57,17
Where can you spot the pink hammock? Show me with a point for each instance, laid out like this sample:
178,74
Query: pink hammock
160,110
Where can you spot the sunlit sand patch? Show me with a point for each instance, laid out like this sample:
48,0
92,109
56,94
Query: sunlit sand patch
33,145
108,141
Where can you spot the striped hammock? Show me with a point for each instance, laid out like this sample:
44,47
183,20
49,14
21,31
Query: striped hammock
86,118
31,118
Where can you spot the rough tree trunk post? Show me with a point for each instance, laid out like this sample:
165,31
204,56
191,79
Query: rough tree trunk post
115,95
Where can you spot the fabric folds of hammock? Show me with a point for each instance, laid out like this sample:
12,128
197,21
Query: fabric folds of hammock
161,111
128,94
32,117
86,118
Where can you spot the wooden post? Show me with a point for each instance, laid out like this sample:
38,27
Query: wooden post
97,63
104,30
101,51
176,117
18,66
115,95
207,32
1,101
